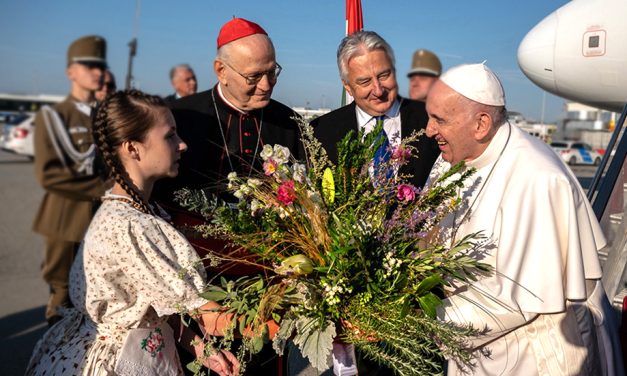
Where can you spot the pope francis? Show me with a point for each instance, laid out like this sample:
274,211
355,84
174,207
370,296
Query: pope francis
544,307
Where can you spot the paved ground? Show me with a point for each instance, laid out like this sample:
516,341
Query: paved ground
23,294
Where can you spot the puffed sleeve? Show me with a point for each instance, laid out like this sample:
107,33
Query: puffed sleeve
167,271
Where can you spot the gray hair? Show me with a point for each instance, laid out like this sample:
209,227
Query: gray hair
179,66
497,113
356,44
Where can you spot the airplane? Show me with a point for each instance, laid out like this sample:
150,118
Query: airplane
579,52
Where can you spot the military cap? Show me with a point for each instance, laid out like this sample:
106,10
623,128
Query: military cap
425,62
88,49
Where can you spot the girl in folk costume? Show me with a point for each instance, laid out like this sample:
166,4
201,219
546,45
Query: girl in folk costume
133,269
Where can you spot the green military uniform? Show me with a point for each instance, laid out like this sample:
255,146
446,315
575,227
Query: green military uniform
72,186
69,201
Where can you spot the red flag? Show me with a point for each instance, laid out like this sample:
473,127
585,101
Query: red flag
354,22
354,18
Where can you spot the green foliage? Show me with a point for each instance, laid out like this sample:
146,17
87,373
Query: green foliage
315,341
412,344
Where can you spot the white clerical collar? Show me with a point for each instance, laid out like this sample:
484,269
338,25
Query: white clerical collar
227,101
494,149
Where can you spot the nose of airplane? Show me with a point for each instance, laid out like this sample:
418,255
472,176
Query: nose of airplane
536,53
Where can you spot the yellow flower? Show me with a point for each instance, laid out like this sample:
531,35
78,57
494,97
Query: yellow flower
328,186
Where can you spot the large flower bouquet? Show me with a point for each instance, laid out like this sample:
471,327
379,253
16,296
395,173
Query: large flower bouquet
347,252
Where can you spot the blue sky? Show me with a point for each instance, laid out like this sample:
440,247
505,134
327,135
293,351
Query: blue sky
36,34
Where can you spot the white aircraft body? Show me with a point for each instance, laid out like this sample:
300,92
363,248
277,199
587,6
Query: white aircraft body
579,52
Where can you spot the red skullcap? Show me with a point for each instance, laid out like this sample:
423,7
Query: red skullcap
238,28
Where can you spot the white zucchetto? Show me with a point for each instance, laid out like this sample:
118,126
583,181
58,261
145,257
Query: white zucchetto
475,82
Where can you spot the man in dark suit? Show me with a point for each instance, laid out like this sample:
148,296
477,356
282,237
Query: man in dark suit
183,81
366,64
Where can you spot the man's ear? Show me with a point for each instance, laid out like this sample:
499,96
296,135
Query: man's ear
347,88
220,70
483,125
69,72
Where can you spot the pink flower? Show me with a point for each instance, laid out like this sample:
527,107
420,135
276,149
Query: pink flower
405,192
270,166
285,192
401,153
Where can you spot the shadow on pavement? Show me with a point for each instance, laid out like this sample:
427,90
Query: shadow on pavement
18,334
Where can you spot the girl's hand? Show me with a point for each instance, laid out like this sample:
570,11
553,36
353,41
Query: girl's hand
223,362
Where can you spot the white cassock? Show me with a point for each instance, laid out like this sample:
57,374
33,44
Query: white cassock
544,306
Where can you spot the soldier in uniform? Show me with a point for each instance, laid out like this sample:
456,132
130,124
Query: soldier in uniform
64,166
425,70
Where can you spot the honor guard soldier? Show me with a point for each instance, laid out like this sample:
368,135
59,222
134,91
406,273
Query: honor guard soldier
64,166
425,70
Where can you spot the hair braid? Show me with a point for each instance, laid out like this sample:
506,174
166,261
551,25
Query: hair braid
124,116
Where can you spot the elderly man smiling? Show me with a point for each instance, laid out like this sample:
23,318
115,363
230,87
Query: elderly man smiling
227,126
544,307
366,64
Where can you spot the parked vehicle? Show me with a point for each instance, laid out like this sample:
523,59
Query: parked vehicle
575,152
17,135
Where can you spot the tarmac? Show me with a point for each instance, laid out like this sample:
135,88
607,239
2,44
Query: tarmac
23,293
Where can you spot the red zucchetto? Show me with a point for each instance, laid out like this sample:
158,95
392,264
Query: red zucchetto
238,28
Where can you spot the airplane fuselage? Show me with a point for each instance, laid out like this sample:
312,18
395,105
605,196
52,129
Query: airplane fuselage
579,52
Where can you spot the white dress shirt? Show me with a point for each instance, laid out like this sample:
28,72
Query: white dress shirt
391,122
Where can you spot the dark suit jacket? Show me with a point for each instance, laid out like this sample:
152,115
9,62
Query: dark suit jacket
169,100
332,127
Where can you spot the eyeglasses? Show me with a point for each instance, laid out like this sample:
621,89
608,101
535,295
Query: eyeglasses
254,78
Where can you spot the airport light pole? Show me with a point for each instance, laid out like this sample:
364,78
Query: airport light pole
132,48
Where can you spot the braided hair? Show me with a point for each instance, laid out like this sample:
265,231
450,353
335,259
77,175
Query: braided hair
124,116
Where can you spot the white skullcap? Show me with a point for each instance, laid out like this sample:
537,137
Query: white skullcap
475,82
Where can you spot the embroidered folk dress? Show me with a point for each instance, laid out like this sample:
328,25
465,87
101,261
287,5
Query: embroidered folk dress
131,272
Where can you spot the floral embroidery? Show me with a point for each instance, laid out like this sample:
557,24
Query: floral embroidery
153,343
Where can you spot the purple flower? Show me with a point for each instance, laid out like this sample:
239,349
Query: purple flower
405,192
401,153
